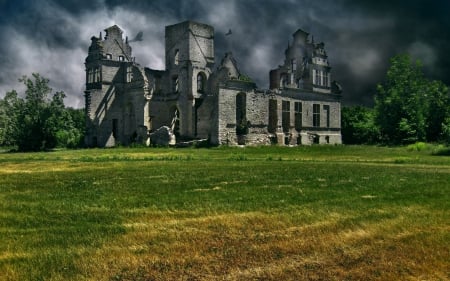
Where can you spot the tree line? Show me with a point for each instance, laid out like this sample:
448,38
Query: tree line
408,108
39,120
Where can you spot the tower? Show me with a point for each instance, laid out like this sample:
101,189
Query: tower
107,65
189,61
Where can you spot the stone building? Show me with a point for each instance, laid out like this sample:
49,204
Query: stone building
126,103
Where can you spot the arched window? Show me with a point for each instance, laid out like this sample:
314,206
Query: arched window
97,75
201,80
176,57
90,78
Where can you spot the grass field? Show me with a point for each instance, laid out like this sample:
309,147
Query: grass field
305,213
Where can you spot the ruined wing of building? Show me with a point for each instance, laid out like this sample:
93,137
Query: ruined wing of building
192,99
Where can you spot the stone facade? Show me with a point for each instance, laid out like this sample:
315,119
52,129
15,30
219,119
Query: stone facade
127,103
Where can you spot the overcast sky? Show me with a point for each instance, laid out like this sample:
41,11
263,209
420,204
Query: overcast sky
52,37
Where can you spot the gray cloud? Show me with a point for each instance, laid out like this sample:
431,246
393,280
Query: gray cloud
51,37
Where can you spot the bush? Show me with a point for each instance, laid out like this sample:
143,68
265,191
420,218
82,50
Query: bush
418,146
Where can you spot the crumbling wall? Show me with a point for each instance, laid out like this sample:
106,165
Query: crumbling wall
256,115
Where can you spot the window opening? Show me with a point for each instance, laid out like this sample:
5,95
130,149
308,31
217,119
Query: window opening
129,74
326,108
241,114
316,115
201,82
286,115
176,57
298,115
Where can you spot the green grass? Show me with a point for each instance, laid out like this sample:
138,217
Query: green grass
262,213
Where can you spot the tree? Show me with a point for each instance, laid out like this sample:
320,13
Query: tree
9,109
438,113
358,125
71,132
38,122
32,134
406,102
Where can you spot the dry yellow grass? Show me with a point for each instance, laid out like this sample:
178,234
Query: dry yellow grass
261,246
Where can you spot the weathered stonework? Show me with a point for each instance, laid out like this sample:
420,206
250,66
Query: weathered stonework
126,103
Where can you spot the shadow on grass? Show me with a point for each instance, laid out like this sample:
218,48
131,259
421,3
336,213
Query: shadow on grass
442,152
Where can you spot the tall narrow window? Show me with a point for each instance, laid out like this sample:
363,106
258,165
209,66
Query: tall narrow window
241,114
97,74
316,115
298,115
325,79
90,77
99,77
175,84
201,82
317,77
129,74
115,128
273,116
286,116
176,57
326,108
320,78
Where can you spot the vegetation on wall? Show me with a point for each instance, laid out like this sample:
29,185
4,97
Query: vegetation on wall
245,78
39,120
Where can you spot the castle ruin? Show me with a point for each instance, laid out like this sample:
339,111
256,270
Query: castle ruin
126,103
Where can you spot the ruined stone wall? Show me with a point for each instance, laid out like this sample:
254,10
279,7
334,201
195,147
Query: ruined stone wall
206,117
256,112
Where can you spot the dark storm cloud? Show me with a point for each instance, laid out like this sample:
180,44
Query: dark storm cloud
51,37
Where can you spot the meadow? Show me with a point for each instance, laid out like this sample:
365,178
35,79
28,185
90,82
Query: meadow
255,213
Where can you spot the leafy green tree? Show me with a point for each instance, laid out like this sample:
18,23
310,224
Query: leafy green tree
9,108
39,121
32,133
438,110
406,104
446,131
358,125
71,128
